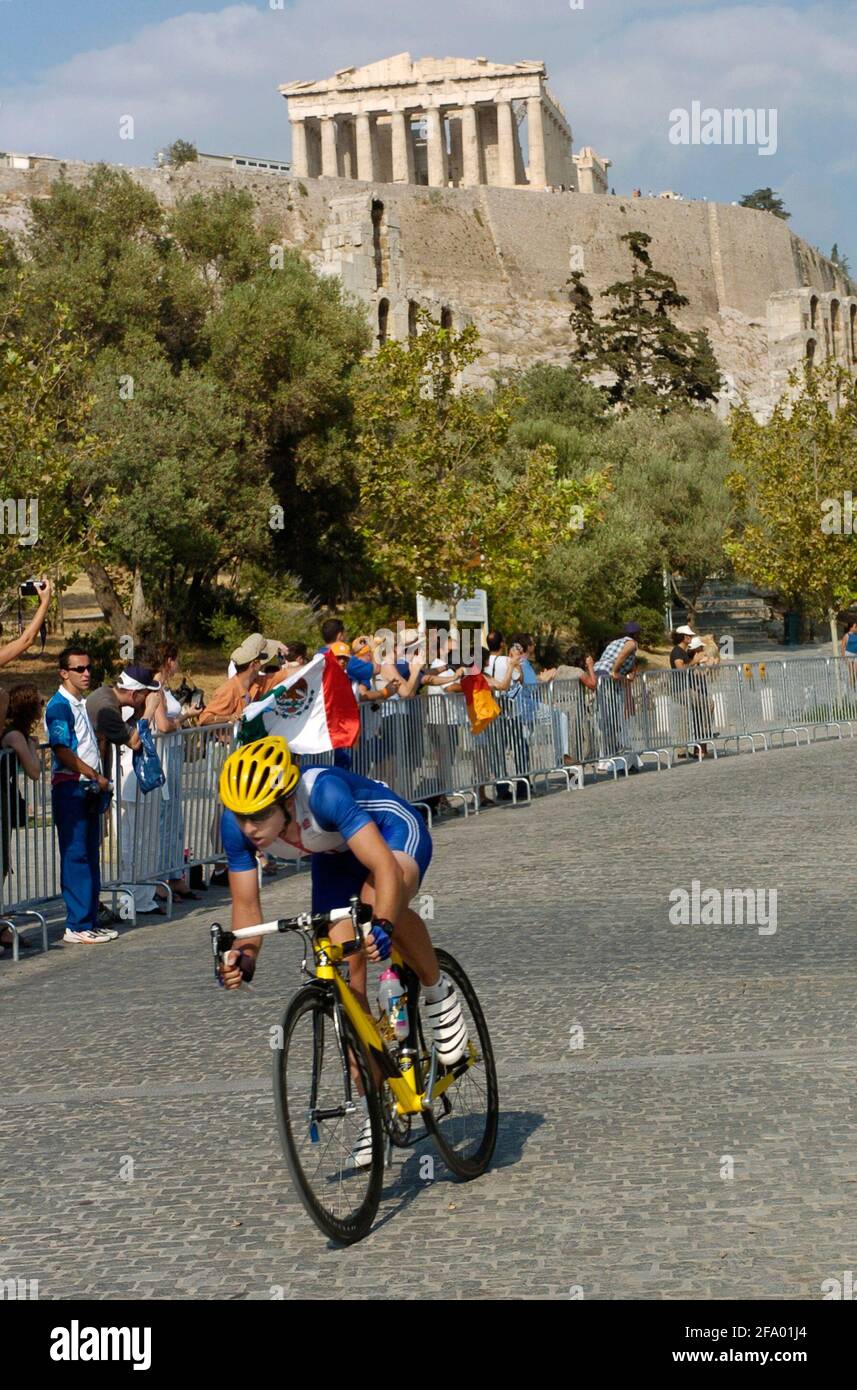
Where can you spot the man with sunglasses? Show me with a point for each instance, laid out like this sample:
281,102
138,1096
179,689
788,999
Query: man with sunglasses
76,777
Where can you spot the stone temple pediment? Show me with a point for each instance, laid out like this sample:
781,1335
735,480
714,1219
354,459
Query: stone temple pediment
403,70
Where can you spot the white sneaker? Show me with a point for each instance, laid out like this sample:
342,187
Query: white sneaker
361,1154
106,932
449,1031
84,938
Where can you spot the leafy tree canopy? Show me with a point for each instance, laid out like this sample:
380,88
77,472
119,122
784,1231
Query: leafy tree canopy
792,481
765,200
449,500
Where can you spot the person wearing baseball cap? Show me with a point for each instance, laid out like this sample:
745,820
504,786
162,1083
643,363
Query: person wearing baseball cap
230,700
265,649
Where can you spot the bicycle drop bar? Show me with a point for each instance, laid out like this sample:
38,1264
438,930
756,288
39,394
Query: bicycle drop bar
305,921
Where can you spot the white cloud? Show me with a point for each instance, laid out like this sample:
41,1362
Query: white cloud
617,67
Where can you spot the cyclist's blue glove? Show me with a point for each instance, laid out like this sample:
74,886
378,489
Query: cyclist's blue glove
382,936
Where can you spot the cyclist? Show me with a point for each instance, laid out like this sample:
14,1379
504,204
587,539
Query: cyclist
365,841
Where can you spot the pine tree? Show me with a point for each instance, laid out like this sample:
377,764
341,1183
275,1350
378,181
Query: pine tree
840,260
765,200
651,360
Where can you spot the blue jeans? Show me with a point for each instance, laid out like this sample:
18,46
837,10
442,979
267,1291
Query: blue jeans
79,836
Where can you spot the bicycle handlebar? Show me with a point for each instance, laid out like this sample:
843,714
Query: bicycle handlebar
316,922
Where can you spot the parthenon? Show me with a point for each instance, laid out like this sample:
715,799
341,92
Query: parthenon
437,121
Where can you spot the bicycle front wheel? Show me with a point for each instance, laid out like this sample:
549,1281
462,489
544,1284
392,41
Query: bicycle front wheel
466,1105
329,1116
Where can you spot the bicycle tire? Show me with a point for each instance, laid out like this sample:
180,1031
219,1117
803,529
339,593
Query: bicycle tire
467,1168
292,1120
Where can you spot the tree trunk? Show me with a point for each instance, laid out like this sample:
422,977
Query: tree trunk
141,613
106,596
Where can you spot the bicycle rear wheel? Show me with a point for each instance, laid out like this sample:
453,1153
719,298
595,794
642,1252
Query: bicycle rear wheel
465,1115
322,1116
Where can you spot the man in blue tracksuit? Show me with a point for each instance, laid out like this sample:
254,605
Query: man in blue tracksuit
76,777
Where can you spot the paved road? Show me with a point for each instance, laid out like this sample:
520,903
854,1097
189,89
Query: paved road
701,1043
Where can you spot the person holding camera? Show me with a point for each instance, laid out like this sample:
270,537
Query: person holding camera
79,792
33,588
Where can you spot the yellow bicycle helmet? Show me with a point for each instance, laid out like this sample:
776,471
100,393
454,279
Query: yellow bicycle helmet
257,775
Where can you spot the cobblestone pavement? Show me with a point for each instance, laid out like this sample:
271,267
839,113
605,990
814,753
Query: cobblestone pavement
701,1043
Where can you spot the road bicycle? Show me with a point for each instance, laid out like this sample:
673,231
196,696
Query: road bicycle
334,1065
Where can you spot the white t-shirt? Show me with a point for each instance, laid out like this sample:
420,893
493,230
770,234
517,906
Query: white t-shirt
437,713
498,666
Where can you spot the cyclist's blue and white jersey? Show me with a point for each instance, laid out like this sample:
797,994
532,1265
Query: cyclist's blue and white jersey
331,805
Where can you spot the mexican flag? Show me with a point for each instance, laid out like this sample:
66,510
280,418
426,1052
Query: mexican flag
314,710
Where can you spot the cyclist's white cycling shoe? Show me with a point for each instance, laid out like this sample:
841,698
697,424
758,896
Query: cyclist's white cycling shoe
361,1154
449,1031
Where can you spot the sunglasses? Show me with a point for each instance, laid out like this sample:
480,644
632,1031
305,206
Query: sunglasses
80,668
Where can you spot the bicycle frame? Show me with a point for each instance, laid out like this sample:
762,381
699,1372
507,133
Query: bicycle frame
400,1076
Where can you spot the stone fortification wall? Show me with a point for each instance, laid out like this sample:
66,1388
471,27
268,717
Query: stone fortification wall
500,257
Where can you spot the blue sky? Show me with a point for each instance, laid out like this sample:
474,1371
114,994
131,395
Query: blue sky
209,72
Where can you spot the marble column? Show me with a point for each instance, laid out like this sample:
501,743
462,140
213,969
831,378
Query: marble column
347,147
365,146
300,162
436,148
403,149
328,147
536,140
505,144
470,151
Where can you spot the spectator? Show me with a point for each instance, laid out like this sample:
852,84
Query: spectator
12,650
575,674
19,751
168,722
576,666
272,656
231,699
444,717
503,674
295,657
528,649
848,644
501,670
702,706
534,712
680,657
77,780
114,711
401,734
615,669
332,630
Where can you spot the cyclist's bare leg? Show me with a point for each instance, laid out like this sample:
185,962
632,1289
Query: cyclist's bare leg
411,937
412,940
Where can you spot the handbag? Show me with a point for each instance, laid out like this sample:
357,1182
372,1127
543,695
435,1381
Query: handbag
147,765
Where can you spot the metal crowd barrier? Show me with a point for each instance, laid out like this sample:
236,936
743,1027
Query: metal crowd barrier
424,750
145,841
152,839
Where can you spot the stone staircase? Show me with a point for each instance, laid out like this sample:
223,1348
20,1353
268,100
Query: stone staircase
740,610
